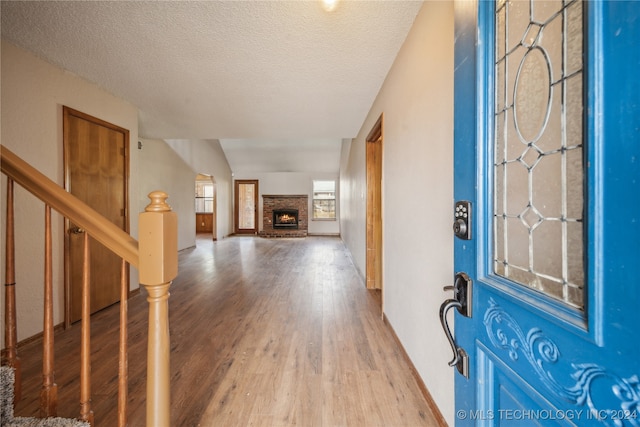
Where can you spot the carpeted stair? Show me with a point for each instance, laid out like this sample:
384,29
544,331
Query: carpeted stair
7,378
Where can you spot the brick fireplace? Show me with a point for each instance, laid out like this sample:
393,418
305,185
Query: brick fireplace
296,202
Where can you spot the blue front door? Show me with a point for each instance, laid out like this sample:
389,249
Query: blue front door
547,155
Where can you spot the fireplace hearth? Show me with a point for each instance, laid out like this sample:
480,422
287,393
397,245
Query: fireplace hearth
286,219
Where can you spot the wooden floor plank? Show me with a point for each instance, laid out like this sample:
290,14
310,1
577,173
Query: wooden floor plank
264,332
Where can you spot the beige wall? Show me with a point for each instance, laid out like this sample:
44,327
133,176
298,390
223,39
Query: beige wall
417,101
206,156
162,169
33,93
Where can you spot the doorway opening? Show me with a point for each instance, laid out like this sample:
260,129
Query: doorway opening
205,205
374,206
246,206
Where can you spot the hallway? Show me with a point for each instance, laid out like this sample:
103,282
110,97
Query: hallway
264,332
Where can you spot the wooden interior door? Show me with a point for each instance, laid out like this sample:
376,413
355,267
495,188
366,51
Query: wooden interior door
96,165
374,207
246,206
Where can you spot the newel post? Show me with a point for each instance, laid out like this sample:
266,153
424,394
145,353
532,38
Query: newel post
158,249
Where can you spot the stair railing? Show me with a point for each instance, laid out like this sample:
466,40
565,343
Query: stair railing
156,258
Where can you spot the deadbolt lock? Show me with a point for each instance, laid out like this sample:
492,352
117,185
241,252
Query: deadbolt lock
462,220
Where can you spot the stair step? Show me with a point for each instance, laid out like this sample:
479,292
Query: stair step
7,378
44,422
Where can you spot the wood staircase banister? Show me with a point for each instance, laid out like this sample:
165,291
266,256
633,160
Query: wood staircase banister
100,228
156,258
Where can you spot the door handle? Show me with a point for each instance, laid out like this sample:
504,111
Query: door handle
444,308
76,230
462,298
462,292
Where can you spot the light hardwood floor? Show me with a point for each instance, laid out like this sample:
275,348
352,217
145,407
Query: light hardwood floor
264,332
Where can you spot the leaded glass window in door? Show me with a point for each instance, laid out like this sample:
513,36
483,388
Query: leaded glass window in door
246,206
538,163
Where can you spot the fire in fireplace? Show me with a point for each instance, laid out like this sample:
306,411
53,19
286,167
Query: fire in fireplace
285,218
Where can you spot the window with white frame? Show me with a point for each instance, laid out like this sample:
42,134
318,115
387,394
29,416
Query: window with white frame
204,196
324,199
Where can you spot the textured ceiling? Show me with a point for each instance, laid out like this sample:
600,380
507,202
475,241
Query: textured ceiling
269,155
230,70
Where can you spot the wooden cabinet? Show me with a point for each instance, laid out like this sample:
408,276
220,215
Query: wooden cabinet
204,222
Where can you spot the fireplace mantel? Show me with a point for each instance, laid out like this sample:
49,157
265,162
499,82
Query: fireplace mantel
299,202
